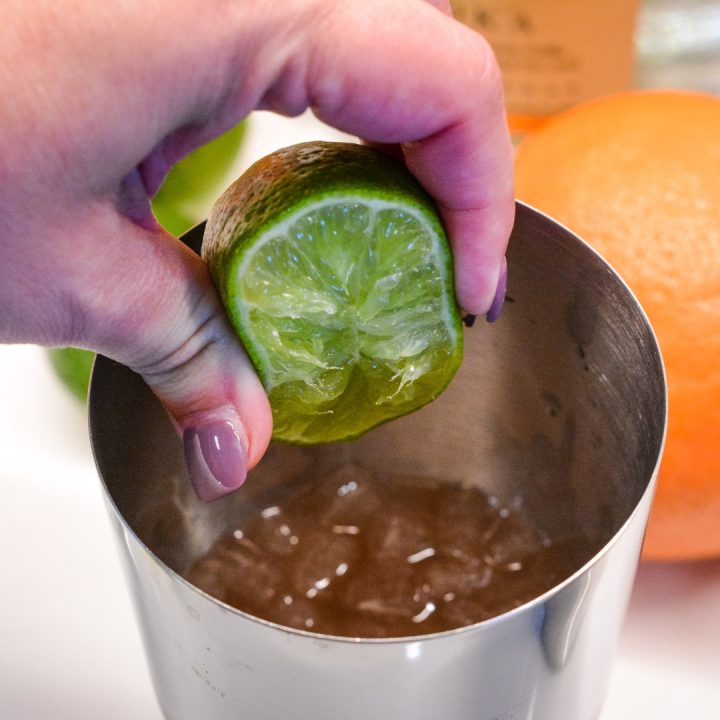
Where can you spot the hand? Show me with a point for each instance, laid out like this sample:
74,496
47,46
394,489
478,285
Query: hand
102,99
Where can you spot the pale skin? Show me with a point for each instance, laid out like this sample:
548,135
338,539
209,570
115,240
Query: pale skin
100,99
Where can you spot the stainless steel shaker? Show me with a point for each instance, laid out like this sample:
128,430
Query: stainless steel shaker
562,402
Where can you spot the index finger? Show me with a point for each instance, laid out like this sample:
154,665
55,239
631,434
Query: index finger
433,86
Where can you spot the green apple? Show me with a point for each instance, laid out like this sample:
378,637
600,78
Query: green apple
73,367
193,184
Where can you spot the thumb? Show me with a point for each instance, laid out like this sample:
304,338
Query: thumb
173,331
100,273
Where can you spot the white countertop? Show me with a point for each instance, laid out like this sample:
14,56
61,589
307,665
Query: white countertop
69,647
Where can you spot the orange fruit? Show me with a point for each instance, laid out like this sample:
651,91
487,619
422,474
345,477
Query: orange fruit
637,175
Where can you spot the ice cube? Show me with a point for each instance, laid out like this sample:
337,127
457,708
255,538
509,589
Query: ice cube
346,498
323,559
458,577
385,594
238,573
514,538
295,612
275,533
463,611
465,519
400,535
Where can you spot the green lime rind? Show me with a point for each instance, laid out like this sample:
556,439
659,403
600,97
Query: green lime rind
275,186
336,273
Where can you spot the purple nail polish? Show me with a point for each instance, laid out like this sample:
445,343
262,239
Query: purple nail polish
497,304
216,459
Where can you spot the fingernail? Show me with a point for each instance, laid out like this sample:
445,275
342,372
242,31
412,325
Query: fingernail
216,459
497,304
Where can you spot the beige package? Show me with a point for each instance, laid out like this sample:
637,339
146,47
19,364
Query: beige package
555,53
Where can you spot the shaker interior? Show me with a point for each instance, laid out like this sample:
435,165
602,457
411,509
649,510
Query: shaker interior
561,402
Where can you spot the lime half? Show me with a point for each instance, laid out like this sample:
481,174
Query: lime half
336,273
